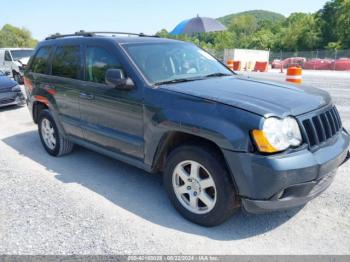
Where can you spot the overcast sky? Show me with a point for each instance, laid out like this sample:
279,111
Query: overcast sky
45,17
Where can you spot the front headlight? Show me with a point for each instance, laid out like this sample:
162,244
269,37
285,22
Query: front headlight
16,88
277,135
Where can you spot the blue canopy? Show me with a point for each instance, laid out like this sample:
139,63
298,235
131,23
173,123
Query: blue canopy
198,25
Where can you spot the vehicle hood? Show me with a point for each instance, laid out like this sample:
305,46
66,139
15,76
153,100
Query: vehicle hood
23,61
6,84
262,98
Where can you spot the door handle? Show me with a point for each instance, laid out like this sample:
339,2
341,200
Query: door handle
87,96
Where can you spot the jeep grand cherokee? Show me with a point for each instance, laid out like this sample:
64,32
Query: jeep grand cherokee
221,141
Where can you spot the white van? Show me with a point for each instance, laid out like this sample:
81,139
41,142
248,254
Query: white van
14,60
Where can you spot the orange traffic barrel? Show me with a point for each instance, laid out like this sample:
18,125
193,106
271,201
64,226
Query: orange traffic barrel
230,64
294,75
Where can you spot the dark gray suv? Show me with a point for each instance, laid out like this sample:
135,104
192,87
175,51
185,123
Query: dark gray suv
221,141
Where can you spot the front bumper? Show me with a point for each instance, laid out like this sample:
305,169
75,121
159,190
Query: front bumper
270,183
12,98
290,197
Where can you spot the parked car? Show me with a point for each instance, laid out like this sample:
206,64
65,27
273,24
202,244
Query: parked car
14,60
276,63
319,64
288,62
10,91
221,141
342,64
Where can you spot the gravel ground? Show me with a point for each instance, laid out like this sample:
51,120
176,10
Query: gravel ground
86,203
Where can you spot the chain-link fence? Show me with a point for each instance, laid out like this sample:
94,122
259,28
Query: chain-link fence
308,55
313,60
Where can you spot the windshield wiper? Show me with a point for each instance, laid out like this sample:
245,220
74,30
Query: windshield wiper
174,81
217,75
181,80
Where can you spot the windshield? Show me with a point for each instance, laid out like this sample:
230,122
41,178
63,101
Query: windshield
171,62
19,54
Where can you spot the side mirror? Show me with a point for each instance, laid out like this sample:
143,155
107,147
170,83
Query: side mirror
117,79
7,73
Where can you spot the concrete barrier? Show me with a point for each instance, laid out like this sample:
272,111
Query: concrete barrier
261,66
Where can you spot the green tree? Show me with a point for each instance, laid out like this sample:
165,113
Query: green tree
328,28
263,39
11,36
163,33
343,23
334,21
224,40
244,27
300,32
333,45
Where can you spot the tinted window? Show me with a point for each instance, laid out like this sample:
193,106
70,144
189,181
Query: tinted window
41,60
7,56
98,61
66,62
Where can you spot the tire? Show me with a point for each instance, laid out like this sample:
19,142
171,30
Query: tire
17,77
222,194
62,146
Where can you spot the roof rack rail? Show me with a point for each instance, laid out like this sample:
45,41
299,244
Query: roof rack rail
87,34
122,33
58,35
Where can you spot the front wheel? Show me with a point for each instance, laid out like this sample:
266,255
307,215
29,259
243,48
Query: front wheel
199,186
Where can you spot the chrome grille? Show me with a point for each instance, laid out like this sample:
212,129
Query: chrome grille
322,126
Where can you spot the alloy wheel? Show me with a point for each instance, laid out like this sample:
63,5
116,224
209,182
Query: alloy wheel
194,187
48,133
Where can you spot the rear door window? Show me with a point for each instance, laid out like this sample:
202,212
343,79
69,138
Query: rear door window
66,62
7,56
40,63
98,61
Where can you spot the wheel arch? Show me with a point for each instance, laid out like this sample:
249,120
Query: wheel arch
37,108
174,139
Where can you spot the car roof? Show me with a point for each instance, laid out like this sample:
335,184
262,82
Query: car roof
100,38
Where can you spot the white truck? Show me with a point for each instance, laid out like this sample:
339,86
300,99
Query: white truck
14,61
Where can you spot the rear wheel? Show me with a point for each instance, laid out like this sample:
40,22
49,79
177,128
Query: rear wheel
199,186
17,77
54,143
